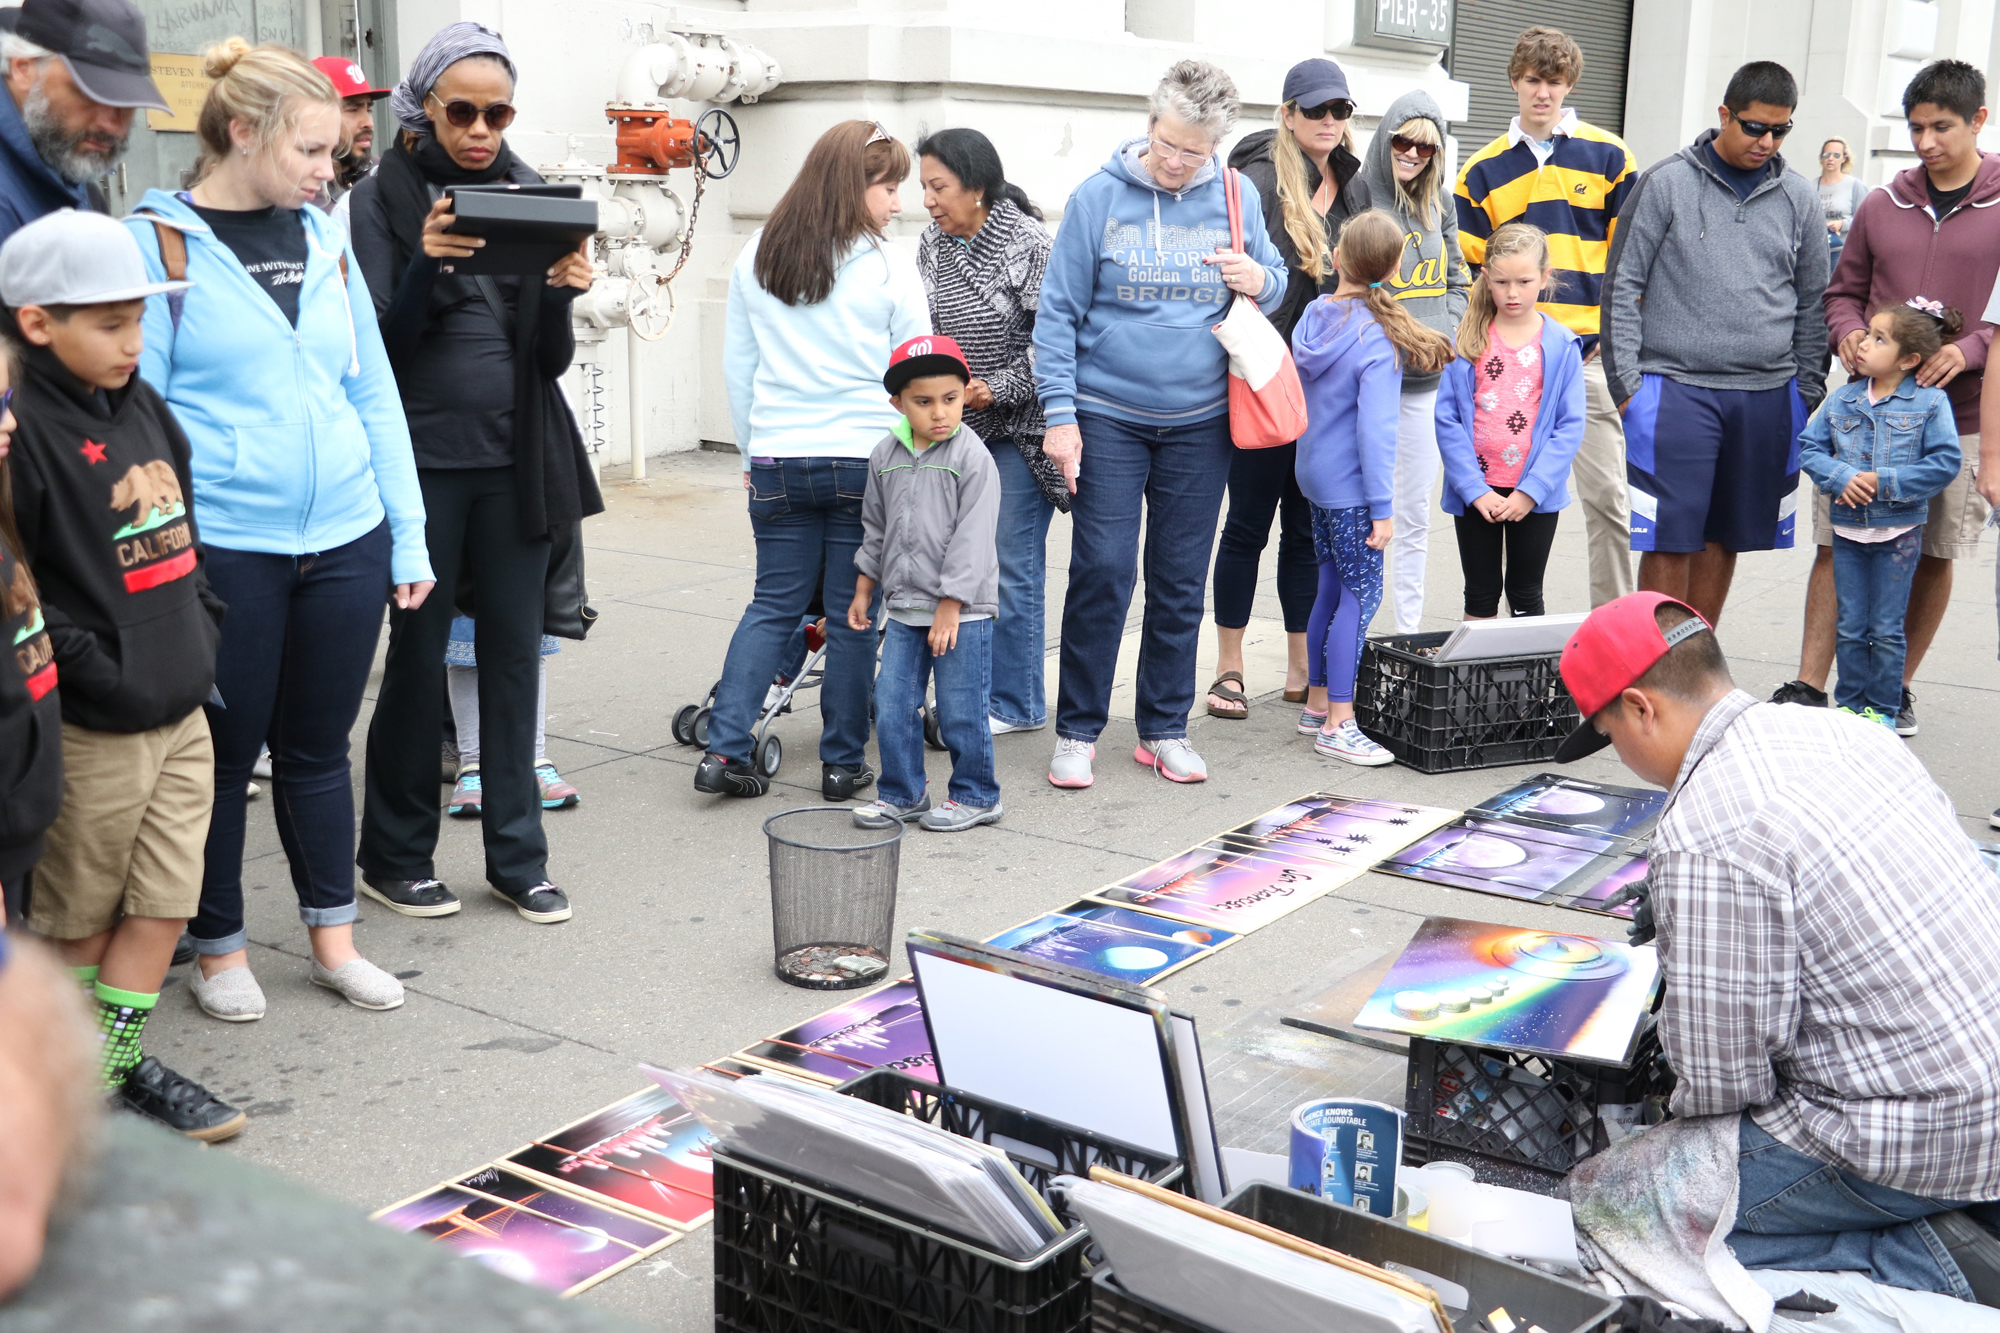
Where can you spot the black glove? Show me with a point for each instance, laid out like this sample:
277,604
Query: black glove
1641,896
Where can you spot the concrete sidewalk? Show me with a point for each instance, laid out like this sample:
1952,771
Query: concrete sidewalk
512,1029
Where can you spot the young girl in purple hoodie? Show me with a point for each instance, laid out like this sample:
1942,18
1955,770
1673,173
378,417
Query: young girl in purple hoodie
1352,349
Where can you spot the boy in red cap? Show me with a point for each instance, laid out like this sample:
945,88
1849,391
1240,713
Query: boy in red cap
1828,937
928,525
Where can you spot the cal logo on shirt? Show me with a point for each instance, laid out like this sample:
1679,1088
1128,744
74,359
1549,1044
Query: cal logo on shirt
157,546
33,653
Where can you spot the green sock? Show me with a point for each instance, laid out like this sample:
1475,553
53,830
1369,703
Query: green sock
86,977
121,1019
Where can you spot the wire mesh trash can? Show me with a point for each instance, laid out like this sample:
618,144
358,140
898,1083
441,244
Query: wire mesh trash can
833,897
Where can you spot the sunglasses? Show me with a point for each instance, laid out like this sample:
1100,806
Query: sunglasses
6,401
879,136
462,113
1340,109
1415,147
1757,129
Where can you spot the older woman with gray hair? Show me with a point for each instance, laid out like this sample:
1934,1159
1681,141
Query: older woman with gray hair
1135,389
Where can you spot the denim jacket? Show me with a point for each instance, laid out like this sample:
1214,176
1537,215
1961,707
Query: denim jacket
1908,440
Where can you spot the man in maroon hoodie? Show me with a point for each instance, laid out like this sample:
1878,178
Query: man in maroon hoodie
1934,232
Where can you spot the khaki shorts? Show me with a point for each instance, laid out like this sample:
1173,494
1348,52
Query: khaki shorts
129,838
1958,512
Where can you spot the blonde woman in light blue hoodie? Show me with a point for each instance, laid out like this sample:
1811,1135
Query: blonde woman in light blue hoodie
817,301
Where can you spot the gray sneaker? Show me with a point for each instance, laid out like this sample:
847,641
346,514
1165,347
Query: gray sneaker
881,814
1071,767
1173,758
363,984
956,817
231,995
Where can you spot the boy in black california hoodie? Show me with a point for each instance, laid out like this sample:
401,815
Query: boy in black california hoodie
102,504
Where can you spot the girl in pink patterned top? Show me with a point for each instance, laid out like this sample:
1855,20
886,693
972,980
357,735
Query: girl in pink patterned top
1510,418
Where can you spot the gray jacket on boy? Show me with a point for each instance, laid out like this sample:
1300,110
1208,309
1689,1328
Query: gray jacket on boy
928,523
1713,291
1431,281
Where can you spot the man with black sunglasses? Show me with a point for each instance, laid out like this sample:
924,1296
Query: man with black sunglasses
1714,344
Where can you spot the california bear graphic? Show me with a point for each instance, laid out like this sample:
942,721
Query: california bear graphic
153,488
19,595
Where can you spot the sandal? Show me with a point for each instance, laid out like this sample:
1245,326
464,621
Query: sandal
1235,703
1297,696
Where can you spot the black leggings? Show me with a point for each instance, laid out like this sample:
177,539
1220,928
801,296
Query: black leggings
1262,485
1526,543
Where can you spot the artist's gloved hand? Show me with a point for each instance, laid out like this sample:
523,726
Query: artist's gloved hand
1641,896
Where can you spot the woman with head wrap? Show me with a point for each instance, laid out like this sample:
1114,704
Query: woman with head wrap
501,464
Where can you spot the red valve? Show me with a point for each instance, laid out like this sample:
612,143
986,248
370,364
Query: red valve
650,141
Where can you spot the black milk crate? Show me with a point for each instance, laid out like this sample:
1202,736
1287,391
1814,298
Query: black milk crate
1530,1298
1445,717
800,1257
1533,1111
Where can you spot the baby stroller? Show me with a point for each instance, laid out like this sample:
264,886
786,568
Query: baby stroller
690,722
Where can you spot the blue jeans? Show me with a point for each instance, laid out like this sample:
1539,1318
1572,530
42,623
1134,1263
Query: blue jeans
1022,539
296,647
964,677
1871,582
1176,475
806,516
1796,1213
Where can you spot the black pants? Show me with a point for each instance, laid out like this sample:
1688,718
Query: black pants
1526,545
1262,485
471,524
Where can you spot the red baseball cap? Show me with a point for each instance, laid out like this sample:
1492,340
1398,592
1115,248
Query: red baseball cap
1615,645
348,79
930,354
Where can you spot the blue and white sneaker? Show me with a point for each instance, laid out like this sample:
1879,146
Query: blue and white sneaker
1345,741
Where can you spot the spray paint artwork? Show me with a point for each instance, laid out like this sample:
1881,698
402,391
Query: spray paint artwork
526,1231
1344,829
1214,885
1100,946
645,1154
1553,801
1527,990
1512,860
883,1029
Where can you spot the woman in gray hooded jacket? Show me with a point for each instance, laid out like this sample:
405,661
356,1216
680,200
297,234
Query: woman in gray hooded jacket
1405,174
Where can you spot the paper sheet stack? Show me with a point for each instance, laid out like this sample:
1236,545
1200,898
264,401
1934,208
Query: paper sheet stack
895,1162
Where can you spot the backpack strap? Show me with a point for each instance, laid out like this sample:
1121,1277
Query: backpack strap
174,258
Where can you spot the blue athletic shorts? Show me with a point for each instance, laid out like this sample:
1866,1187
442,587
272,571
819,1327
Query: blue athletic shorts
1712,465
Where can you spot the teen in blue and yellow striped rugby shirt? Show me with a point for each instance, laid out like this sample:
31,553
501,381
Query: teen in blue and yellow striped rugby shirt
1570,179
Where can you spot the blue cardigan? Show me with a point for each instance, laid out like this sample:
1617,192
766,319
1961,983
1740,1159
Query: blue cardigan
1557,435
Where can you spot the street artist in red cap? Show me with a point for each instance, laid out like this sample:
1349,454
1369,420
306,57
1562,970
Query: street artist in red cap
1830,944
355,157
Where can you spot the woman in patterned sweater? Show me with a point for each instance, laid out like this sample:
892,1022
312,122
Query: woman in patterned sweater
981,260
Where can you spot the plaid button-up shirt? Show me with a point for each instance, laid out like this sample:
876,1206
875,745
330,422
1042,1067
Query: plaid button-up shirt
1830,941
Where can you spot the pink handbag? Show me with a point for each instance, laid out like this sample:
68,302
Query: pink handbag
1267,404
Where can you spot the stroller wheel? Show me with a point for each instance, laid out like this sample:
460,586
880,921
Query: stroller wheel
699,728
770,755
683,724
933,732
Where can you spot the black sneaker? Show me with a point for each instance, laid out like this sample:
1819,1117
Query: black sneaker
1906,716
544,904
1798,692
183,950
729,777
1973,1248
178,1102
411,897
839,782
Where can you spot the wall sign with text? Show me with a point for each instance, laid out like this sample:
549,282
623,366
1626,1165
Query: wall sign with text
1404,25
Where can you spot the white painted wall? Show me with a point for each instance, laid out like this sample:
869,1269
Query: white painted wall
1057,83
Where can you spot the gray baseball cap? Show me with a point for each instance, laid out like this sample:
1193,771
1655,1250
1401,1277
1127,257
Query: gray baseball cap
73,258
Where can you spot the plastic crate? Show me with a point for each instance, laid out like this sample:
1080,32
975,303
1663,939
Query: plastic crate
1445,717
799,1257
1116,1310
1512,1107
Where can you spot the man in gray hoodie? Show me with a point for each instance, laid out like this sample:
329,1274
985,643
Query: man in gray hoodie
1713,324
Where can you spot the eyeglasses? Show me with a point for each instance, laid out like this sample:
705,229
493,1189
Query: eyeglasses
462,113
1422,150
6,400
1166,153
1339,108
1757,129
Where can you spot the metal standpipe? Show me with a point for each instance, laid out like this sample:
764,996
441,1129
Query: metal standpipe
635,387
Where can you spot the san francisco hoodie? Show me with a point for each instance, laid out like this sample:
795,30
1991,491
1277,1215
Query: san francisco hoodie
1354,395
1127,302
102,500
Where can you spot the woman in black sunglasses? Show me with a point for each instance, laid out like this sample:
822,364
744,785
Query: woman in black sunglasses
1308,182
502,467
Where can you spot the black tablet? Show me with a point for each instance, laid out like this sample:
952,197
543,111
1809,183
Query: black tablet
527,228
